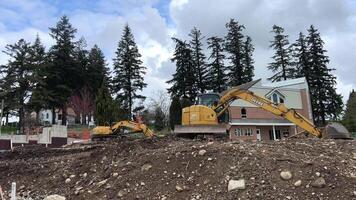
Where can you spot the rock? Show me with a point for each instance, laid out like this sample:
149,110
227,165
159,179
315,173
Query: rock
143,183
115,174
286,175
102,182
236,184
355,193
67,180
146,167
85,175
354,157
319,182
120,193
298,183
55,197
178,188
317,174
202,152
210,159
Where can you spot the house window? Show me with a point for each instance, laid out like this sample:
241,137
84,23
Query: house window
47,116
276,97
278,134
243,113
238,132
248,132
59,116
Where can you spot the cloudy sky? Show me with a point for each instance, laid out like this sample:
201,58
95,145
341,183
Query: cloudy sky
154,22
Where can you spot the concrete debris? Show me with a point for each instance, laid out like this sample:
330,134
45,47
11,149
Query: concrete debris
236,185
54,197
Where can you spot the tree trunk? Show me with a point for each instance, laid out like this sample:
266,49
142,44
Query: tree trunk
21,120
64,115
37,117
53,115
7,119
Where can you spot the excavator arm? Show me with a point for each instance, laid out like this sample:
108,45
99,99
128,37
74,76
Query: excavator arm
136,127
281,110
107,131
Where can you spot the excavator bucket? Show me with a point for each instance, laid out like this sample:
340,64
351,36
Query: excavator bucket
335,130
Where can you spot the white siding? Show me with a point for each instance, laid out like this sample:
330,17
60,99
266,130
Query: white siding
293,97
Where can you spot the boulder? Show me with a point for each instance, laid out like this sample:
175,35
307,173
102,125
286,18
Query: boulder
286,175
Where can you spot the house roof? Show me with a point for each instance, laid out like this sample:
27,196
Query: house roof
285,83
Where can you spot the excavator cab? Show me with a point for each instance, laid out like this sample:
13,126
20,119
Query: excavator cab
210,100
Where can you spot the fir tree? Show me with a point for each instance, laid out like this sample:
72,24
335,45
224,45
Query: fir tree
248,70
105,106
81,59
175,112
326,103
300,56
281,64
97,71
198,59
63,73
234,48
349,119
39,63
216,74
129,72
19,77
183,81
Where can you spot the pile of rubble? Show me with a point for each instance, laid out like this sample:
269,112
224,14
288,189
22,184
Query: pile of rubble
184,169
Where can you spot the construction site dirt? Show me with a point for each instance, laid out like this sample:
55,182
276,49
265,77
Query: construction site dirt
171,168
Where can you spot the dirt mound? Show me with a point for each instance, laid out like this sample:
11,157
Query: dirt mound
168,168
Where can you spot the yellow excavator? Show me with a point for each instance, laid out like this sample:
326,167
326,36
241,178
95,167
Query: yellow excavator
106,132
209,115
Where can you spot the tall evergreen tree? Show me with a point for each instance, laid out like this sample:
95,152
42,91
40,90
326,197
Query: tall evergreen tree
159,117
198,57
107,110
19,77
129,72
248,70
216,74
63,73
349,119
300,56
39,63
175,112
183,81
281,64
96,70
326,103
234,48
81,59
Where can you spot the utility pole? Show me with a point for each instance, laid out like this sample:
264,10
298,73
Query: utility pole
1,113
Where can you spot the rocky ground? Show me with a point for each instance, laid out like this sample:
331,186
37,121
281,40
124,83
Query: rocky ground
169,168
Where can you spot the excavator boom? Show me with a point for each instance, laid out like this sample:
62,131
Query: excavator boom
107,131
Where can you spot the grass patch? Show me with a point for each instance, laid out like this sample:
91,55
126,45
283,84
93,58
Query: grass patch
8,129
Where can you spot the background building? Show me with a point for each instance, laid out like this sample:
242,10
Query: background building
249,122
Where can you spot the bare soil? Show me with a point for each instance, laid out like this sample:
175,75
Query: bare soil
170,168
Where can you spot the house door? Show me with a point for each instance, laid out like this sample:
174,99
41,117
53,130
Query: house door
258,134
